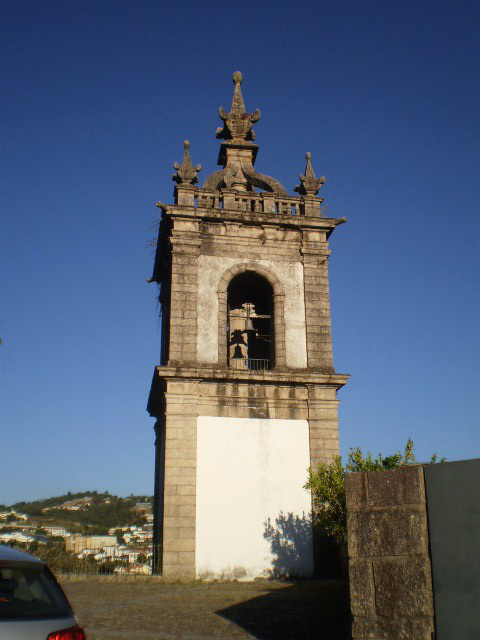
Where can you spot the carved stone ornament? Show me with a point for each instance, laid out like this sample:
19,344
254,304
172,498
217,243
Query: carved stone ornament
238,155
232,177
238,123
309,183
186,172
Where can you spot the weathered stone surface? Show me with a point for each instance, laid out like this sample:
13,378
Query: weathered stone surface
355,491
402,586
396,487
405,629
388,548
387,533
362,591
366,629
398,629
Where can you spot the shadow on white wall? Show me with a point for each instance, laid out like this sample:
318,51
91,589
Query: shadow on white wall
290,539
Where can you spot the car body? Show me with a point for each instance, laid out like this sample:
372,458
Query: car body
32,603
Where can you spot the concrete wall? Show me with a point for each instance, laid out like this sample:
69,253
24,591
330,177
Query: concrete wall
389,564
290,274
251,510
453,501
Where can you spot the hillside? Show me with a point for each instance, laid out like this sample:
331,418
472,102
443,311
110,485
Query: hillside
84,511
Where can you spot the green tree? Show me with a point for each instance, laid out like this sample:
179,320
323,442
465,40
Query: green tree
327,485
61,561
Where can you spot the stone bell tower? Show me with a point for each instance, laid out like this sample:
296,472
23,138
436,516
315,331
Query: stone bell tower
245,394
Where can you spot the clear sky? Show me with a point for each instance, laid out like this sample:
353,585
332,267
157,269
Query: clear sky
97,98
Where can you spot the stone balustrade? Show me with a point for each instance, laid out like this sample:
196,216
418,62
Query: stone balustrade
270,203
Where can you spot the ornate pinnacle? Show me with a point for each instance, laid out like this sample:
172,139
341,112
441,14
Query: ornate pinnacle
186,172
238,123
309,184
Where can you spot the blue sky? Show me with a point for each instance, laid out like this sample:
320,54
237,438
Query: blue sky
97,98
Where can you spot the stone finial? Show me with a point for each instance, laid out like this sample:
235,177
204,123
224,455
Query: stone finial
186,172
309,184
238,123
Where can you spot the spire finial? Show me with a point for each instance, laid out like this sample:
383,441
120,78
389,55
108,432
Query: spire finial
238,123
309,184
186,172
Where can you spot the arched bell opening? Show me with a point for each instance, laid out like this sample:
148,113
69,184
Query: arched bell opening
250,322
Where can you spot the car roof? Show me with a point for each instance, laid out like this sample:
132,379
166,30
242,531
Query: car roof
14,555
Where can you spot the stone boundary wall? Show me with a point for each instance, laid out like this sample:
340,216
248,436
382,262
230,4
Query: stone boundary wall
64,578
388,547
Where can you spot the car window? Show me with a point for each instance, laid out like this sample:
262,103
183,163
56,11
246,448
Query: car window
27,593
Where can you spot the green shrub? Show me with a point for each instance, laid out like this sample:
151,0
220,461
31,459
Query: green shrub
327,485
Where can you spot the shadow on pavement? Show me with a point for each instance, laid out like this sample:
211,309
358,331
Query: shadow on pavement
302,611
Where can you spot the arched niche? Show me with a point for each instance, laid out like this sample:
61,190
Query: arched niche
262,294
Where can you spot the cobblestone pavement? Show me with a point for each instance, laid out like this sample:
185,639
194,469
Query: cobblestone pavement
264,610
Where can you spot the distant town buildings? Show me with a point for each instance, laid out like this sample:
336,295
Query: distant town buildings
11,514
127,548
77,542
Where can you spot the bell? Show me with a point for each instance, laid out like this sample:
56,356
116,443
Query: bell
249,325
238,352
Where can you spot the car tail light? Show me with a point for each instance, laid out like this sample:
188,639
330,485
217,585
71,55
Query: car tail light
72,633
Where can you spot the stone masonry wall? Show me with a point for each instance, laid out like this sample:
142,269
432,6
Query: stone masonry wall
186,399
390,572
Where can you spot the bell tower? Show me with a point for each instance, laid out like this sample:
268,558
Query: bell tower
245,393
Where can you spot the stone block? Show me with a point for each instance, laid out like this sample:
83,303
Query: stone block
178,571
183,464
170,510
187,474
366,630
169,534
179,500
185,452
362,592
321,411
170,557
186,490
178,521
387,533
173,479
325,454
397,629
404,485
186,558
326,394
355,491
323,431
180,544
403,587
405,629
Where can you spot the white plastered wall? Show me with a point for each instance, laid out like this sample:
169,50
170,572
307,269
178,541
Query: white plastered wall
290,274
252,513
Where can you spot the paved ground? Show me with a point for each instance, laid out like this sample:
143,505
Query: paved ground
196,611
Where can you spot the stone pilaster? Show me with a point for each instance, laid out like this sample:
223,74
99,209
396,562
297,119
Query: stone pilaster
180,480
317,303
183,306
323,424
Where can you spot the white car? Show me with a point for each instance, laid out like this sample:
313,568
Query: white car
32,603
